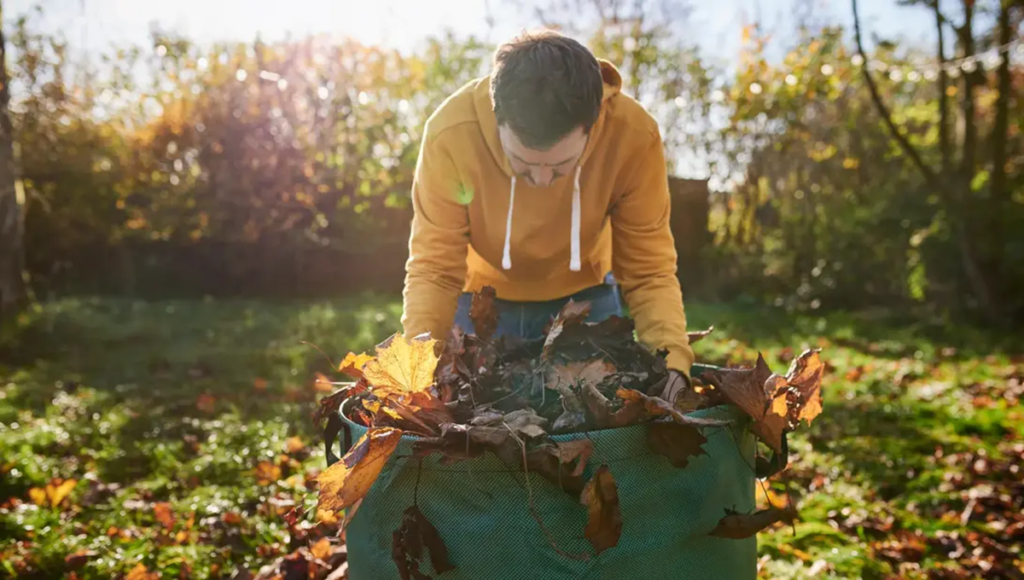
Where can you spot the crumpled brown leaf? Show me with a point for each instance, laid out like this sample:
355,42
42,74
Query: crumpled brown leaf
804,379
764,400
679,443
349,479
738,526
578,450
656,407
571,314
484,313
526,422
352,365
408,542
604,519
699,334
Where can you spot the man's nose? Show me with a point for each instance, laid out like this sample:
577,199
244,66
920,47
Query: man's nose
542,176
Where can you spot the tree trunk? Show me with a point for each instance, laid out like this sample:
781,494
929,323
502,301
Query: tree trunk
12,291
970,144
1000,130
944,144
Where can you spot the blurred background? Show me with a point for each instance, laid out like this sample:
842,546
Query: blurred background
204,205
266,149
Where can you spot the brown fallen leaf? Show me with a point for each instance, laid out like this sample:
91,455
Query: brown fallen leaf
748,390
738,526
206,403
572,313
578,450
55,492
596,404
349,479
295,445
699,334
676,442
322,384
804,378
260,384
604,520
484,313
78,559
232,518
402,367
656,407
407,543
267,472
352,365
576,372
162,513
526,422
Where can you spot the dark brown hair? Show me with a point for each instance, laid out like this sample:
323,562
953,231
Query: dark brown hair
545,85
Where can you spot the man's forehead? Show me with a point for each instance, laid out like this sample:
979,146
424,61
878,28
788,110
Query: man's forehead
567,149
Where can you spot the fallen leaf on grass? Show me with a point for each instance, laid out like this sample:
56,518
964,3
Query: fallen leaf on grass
484,314
407,543
140,572
402,367
55,492
78,559
206,403
260,384
738,526
162,513
295,445
267,472
676,442
322,549
232,518
348,480
604,520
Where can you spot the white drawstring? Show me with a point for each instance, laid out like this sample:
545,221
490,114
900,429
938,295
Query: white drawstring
506,259
574,260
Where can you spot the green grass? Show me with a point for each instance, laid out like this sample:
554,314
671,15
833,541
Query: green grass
194,403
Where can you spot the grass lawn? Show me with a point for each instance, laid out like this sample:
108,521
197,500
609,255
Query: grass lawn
176,437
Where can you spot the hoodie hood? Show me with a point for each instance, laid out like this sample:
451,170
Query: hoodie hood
489,123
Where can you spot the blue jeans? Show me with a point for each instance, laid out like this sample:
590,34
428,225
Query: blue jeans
528,319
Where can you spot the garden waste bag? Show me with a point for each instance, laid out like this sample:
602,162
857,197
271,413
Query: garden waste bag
481,508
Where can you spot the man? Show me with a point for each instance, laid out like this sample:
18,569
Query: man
540,180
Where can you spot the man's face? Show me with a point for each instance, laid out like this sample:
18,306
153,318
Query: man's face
542,168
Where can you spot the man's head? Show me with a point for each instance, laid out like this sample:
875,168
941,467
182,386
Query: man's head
546,89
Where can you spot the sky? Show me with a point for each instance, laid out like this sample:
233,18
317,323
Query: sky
94,25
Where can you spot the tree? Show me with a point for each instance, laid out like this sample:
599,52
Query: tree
12,290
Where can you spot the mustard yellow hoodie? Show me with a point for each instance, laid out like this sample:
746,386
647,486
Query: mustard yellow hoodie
475,226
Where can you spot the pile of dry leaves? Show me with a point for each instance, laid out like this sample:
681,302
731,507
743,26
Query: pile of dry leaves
478,394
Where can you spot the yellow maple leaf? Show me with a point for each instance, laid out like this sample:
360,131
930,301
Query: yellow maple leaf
402,367
321,549
37,495
348,480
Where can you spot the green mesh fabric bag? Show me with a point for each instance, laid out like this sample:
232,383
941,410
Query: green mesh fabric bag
480,508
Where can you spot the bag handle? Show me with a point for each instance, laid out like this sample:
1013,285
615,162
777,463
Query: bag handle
335,425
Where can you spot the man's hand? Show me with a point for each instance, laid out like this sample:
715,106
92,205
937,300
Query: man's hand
675,384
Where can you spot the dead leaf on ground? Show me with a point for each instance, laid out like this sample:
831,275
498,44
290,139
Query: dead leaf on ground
267,472
604,520
349,479
677,442
738,526
206,403
260,384
402,367
408,542
163,514
295,445
78,559
322,549
526,422
484,313
140,572
55,492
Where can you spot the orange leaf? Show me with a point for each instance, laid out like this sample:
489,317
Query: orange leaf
260,384
267,472
604,520
352,365
206,402
78,559
572,313
402,367
348,480
181,537
295,445
37,495
804,376
139,572
162,513
232,518
750,389
322,549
